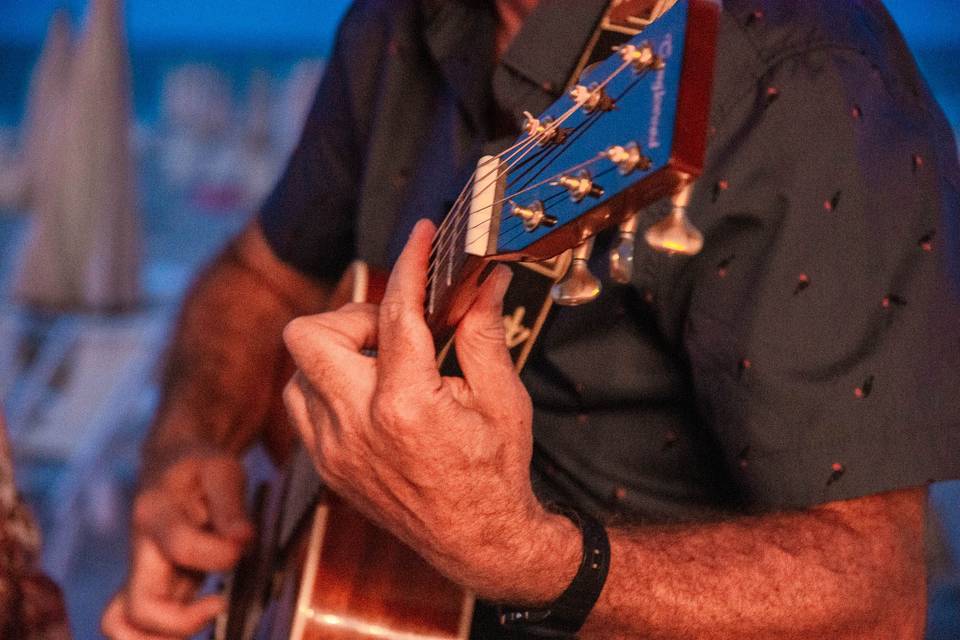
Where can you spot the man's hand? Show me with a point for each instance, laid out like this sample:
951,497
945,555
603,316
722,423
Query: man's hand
443,463
188,522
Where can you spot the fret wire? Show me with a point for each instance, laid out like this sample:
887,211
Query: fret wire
549,130
461,199
514,149
450,236
575,167
447,246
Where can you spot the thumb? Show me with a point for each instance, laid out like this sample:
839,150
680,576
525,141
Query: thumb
481,341
223,481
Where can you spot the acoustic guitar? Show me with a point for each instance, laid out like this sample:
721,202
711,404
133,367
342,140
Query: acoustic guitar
630,132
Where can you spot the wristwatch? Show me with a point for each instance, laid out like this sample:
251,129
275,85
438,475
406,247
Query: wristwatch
563,617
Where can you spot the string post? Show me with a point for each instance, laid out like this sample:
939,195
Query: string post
532,215
641,58
592,98
579,186
628,158
545,131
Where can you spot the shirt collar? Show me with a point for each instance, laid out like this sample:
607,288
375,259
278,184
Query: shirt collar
552,40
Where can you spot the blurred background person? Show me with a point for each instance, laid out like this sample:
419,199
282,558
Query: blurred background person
31,605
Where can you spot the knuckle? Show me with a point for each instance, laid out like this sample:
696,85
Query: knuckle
392,311
294,332
139,611
392,408
179,545
144,513
110,622
331,455
291,393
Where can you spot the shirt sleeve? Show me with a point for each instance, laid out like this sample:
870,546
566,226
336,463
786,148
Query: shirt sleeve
822,320
309,218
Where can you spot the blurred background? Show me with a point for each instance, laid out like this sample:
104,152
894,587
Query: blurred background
202,102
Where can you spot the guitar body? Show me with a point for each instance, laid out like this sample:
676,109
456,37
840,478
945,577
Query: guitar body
319,569
346,578
329,573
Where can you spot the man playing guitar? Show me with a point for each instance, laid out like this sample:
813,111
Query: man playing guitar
755,426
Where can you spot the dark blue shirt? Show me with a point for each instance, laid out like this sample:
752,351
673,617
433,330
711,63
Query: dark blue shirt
810,353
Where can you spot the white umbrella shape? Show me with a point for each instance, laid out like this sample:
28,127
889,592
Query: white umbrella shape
45,99
84,253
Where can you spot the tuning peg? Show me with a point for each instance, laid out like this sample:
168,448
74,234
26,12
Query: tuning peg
621,255
628,158
532,215
641,58
579,186
592,98
544,131
675,233
579,286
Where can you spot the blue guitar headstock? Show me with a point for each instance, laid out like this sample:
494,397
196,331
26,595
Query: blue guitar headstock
632,131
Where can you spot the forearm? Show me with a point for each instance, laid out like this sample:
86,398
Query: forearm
226,364
848,570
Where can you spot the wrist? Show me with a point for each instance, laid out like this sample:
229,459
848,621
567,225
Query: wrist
563,616
556,550
535,562
159,457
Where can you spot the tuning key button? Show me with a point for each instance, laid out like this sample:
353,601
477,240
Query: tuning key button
641,58
579,286
592,98
533,215
544,131
621,255
675,234
628,158
580,186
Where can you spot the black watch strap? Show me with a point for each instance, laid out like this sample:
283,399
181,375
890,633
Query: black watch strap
563,617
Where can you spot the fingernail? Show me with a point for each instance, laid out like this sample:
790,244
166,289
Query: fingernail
422,222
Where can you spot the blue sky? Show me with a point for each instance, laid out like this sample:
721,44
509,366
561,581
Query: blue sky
932,28
310,23
296,24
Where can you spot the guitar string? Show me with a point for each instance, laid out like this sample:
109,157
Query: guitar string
445,237
520,232
548,131
448,234
462,220
580,132
588,122
519,148
463,217
444,247
654,15
506,218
